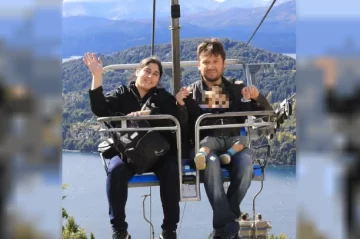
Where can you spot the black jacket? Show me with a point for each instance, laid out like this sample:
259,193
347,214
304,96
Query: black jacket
236,105
126,99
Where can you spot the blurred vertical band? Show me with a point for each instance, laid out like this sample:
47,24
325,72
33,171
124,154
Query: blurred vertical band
30,117
328,91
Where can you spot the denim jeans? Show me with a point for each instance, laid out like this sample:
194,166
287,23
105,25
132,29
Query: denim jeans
120,173
226,207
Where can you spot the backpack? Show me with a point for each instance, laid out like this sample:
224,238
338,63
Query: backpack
143,149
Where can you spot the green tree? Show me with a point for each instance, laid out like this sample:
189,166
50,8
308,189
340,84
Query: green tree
71,230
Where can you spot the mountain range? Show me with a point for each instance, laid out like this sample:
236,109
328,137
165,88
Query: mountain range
130,9
84,33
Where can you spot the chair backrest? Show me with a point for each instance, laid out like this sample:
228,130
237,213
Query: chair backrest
246,230
261,229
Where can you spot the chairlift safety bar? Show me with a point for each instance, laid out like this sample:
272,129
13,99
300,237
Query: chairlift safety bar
233,63
249,114
176,128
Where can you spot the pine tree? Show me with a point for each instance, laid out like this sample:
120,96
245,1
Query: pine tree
71,230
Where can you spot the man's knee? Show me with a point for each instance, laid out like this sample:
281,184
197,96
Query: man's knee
213,160
243,160
213,166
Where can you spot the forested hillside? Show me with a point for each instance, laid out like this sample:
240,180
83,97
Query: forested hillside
80,127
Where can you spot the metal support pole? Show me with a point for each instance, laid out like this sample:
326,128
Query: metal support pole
250,72
153,30
175,43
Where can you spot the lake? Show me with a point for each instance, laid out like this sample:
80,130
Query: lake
86,201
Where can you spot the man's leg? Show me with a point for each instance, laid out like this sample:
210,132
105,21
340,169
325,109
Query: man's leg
118,176
168,173
241,170
213,182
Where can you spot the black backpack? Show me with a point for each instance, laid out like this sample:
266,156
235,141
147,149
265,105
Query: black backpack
143,149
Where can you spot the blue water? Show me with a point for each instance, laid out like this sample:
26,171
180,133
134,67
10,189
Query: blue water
86,201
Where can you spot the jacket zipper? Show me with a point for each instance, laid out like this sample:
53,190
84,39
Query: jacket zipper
222,130
136,96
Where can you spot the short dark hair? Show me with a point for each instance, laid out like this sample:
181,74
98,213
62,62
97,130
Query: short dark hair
212,46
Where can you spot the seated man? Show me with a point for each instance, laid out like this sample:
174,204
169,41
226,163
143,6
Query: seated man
261,226
245,226
226,210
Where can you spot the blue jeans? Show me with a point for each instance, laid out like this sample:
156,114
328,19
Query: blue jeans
117,190
226,207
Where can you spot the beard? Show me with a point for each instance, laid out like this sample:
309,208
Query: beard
213,77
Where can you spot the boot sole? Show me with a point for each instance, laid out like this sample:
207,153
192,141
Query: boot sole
225,159
200,161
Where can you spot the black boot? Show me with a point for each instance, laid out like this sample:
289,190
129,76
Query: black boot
122,234
168,235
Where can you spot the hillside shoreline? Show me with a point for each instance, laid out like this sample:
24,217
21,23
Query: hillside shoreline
274,163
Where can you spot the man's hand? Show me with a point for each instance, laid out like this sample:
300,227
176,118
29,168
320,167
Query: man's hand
250,92
181,95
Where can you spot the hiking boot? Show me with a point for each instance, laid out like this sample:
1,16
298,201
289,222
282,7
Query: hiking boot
122,234
234,237
229,231
168,235
214,235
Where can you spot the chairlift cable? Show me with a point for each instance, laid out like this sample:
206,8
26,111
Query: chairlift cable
258,26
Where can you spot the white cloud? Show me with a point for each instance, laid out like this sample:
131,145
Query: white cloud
74,11
219,0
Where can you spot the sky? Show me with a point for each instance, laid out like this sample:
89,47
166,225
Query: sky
325,9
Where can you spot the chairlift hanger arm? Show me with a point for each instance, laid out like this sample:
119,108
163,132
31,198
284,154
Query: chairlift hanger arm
175,44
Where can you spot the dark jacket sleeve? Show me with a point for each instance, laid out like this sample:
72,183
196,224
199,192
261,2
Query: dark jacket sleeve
106,105
165,103
183,114
193,108
261,104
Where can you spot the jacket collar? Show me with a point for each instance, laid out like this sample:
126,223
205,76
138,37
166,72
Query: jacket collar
224,82
135,91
